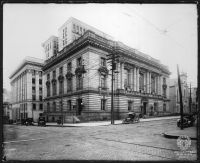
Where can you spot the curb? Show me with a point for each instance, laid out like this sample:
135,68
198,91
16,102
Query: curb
175,136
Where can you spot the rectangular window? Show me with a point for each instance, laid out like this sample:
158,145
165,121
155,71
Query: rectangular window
79,62
130,103
69,85
54,85
48,76
33,80
40,97
74,27
41,106
79,82
61,70
103,104
33,72
34,106
81,30
103,62
48,91
40,73
69,67
40,90
40,81
152,84
54,106
103,81
69,104
141,81
54,74
48,107
61,87
33,97
77,29
33,89
164,107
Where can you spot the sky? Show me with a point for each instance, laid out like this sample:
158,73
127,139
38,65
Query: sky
167,32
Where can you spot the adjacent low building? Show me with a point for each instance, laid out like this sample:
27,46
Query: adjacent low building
26,87
77,80
175,96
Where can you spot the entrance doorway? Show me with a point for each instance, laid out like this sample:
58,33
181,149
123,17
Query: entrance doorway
79,106
144,108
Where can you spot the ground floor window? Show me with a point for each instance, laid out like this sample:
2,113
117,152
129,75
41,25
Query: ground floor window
130,103
69,103
164,107
103,104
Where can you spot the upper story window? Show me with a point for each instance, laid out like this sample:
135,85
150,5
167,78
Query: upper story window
40,81
127,77
79,62
33,80
141,81
164,80
48,76
54,74
69,66
103,81
61,70
40,73
81,30
152,84
65,31
77,29
103,62
74,27
33,73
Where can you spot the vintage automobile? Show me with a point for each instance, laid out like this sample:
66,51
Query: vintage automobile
132,118
188,120
27,121
42,121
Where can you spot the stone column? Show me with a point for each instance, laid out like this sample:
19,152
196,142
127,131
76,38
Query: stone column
122,76
138,81
150,82
160,85
135,81
147,83
131,80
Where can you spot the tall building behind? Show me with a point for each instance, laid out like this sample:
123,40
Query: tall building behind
26,88
50,47
72,29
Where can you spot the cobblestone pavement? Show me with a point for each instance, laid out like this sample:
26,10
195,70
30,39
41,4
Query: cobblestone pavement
141,141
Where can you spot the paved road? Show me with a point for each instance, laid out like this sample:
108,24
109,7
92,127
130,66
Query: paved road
141,141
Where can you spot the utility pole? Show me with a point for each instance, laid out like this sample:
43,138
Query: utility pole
181,102
190,101
112,58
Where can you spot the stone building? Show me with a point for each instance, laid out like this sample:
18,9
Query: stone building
175,97
77,81
26,88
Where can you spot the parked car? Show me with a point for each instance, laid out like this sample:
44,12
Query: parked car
42,121
188,120
132,118
27,121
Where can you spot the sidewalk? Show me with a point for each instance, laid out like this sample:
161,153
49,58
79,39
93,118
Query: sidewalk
106,123
174,134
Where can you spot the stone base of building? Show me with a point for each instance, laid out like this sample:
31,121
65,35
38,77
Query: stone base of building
72,117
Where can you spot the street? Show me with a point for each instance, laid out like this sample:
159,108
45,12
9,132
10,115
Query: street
140,141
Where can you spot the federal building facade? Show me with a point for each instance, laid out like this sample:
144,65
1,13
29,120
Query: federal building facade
26,87
77,80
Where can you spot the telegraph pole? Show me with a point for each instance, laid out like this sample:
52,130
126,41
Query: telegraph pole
190,101
112,58
181,102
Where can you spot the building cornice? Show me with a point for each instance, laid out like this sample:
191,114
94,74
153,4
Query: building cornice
24,64
92,39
